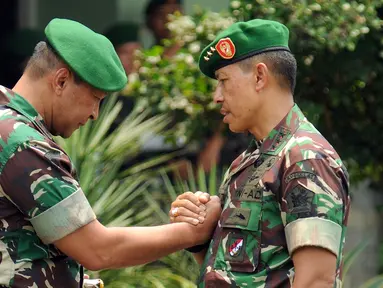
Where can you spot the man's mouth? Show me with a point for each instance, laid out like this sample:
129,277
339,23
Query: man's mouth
224,112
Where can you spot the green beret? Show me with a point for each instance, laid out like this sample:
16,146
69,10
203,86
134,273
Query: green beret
242,40
89,54
22,42
123,33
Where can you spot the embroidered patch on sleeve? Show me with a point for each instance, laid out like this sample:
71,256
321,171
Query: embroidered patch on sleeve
300,174
300,201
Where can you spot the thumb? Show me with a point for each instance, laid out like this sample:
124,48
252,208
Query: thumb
203,197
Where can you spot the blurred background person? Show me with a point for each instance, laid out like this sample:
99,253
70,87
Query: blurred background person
216,148
125,39
157,17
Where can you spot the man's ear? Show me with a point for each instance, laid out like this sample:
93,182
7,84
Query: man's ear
60,80
261,76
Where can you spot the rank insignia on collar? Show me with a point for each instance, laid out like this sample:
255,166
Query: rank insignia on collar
279,137
225,48
235,248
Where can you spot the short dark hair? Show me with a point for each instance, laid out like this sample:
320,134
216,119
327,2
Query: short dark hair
43,60
282,65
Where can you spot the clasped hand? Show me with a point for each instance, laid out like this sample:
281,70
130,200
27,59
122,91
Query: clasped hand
195,208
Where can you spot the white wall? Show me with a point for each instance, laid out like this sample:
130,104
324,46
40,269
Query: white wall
97,14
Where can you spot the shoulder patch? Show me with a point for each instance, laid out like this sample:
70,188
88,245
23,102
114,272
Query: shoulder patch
300,174
300,201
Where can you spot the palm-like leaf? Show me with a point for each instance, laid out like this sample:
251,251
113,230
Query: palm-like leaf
376,282
352,256
121,199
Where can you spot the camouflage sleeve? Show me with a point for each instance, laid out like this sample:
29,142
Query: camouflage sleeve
37,179
312,204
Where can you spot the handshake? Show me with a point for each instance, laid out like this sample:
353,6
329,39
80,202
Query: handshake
200,210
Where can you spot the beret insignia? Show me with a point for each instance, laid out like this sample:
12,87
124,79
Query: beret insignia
225,48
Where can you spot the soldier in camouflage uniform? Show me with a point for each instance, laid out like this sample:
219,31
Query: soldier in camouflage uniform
285,200
47,227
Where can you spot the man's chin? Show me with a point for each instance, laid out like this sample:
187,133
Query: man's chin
236,129
64,134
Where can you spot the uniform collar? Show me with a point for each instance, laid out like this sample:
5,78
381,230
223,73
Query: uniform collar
281,133
12,100
272,144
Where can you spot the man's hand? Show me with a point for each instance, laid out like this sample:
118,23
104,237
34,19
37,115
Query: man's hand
197,208
189,207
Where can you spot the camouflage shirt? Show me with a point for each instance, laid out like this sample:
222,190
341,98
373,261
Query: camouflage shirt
40,201
287,191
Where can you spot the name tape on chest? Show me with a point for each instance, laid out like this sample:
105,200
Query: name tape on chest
251,190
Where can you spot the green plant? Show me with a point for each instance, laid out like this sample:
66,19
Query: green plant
352,256
178,269
339,52
120,198
376,282
174,85
315,24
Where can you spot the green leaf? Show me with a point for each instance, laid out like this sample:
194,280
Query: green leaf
376,282
352,256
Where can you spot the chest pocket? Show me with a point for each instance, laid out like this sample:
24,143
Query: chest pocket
240,238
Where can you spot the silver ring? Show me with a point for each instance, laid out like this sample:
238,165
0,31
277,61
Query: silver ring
174,212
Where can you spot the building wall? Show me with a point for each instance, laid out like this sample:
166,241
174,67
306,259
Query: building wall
133,10
99,14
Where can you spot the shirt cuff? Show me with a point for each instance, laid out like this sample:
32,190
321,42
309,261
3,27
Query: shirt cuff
64,218
313,231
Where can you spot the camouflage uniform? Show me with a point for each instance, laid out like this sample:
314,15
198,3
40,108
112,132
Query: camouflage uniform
285,192
40,201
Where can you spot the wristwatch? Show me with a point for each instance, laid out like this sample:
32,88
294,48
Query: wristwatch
198,248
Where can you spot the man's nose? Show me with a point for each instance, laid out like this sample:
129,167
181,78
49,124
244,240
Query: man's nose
95,112
218,98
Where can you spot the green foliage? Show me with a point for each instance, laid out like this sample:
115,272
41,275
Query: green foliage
174,85
338,47
122,199
376,282
316,25
178,269
352,256
96,152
